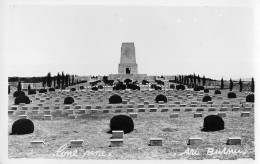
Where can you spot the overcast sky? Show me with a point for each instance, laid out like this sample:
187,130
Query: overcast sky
206,39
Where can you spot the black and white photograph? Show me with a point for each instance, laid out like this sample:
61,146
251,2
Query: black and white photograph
129,80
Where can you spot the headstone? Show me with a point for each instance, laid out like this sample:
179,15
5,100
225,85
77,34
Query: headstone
129,110
10,111
245,114
247,108
164,110
76,143
200,109
197,115
188,110
133,115
37,144
235,108
47,112
222,114
195,141
234,141
116,142
155,142
176,109
153,110
47,117
66,106
72,116
78,107
211,109
25,107
22,117
141,109
174,115
82,111
70,111
14,107
117,134
224,109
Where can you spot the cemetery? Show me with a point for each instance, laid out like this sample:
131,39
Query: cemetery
131,116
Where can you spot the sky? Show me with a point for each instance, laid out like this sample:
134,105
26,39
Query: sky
212,39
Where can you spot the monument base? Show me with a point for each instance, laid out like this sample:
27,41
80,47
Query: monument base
122,77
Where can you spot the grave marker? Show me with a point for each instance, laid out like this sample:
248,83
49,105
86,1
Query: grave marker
155,142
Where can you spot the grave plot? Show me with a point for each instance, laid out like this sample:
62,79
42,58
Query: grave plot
167,128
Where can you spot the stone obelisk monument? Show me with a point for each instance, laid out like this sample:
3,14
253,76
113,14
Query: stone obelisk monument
127,68
127,61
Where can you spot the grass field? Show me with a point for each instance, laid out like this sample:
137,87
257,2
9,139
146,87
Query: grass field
174,131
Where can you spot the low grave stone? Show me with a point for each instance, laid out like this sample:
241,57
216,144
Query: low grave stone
76,143
47,117
174,115
116,142
195,141
197,115
155,142
234,141
222,114
37,144
245,114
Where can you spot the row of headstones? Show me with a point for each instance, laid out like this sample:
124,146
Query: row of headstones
131,104
73,114
117,141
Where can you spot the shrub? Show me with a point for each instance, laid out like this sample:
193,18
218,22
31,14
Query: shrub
161,97
213,123
121,122
32,92
18,93
68,100
182,87
201,87
22,126
127,80
172,86
115,99
206,99
81,87
217,92
43,91
158,88
231,95
196,89
250,98
51,89
94,88
206,91
22,99
72,89
100,87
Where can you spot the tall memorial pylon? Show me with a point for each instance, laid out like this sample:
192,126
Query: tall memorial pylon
127,63
127,68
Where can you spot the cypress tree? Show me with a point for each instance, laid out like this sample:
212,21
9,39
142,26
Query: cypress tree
62,80
19,86
231,85
49,80
222,84
9,89
198,79
252,85
203,81
58,80
43,82
29,87
240,85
